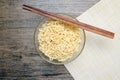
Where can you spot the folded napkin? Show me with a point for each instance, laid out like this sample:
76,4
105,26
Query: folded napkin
100,59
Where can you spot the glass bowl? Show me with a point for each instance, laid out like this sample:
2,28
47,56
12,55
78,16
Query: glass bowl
74,56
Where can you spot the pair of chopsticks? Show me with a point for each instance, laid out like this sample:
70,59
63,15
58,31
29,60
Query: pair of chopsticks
81,25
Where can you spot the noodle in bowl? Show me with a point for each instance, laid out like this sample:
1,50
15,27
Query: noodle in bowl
58,42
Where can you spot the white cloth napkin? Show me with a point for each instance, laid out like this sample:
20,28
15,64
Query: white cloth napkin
100,59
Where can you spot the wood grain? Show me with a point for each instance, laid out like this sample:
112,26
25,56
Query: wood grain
18,58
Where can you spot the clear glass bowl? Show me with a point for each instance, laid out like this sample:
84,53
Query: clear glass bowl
75,55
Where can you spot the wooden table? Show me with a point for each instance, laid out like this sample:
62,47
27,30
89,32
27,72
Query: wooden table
18,57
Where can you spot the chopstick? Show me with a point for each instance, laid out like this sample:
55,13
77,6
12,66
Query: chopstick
76,23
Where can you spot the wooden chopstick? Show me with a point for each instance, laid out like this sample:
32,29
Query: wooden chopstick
70,21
